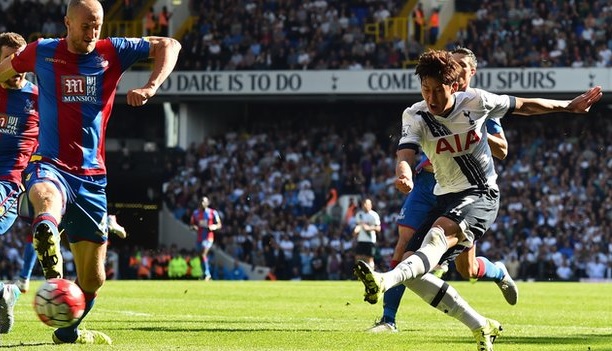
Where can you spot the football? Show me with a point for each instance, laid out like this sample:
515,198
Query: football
59,302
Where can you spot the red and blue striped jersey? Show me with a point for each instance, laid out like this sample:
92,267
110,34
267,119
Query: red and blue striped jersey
77,92
203,218
18,130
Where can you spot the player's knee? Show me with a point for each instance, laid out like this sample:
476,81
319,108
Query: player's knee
92,282
46,201
435,236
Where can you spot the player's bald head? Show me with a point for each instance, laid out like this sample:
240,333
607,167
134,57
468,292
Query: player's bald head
93,5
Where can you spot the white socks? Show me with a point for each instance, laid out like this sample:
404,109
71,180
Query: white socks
445,298
421,262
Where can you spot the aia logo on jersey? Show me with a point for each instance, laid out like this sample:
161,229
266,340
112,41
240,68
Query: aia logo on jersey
457,143
80,89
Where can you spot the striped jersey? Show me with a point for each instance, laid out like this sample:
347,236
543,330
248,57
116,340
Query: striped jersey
76,97
203,218
18,129
457,144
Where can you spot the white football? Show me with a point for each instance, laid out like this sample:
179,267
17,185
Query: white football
59,302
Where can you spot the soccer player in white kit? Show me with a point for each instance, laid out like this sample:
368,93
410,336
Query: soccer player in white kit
450,128
367,227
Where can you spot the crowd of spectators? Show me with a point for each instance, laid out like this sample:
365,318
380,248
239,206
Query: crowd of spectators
318,34
32,18
328,34
542,33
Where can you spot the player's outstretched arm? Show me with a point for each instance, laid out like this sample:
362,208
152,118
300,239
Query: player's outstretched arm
164,52
580,104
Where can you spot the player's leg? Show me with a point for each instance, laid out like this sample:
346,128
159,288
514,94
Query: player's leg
26,213
114,227
445,298
473,268
10,194
86,230
9,294
370,258
29,260
89,260
392,297
444,234
206,245
371,252
466,217
47,195
365,251
414,214
359,256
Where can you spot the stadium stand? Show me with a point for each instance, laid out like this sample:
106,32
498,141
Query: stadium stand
556,184
354,35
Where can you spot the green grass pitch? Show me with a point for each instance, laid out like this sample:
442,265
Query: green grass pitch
275,315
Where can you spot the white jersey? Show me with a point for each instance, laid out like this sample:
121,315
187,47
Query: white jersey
457,144
370,218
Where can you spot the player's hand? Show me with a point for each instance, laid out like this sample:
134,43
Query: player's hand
140,96
404,184
583,103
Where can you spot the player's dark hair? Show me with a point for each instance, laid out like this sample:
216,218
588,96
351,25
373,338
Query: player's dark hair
438,64
468,53
12,40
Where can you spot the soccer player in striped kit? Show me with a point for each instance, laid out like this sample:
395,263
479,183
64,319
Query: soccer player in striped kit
421,200
205,221
66,177
18,133
450,128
